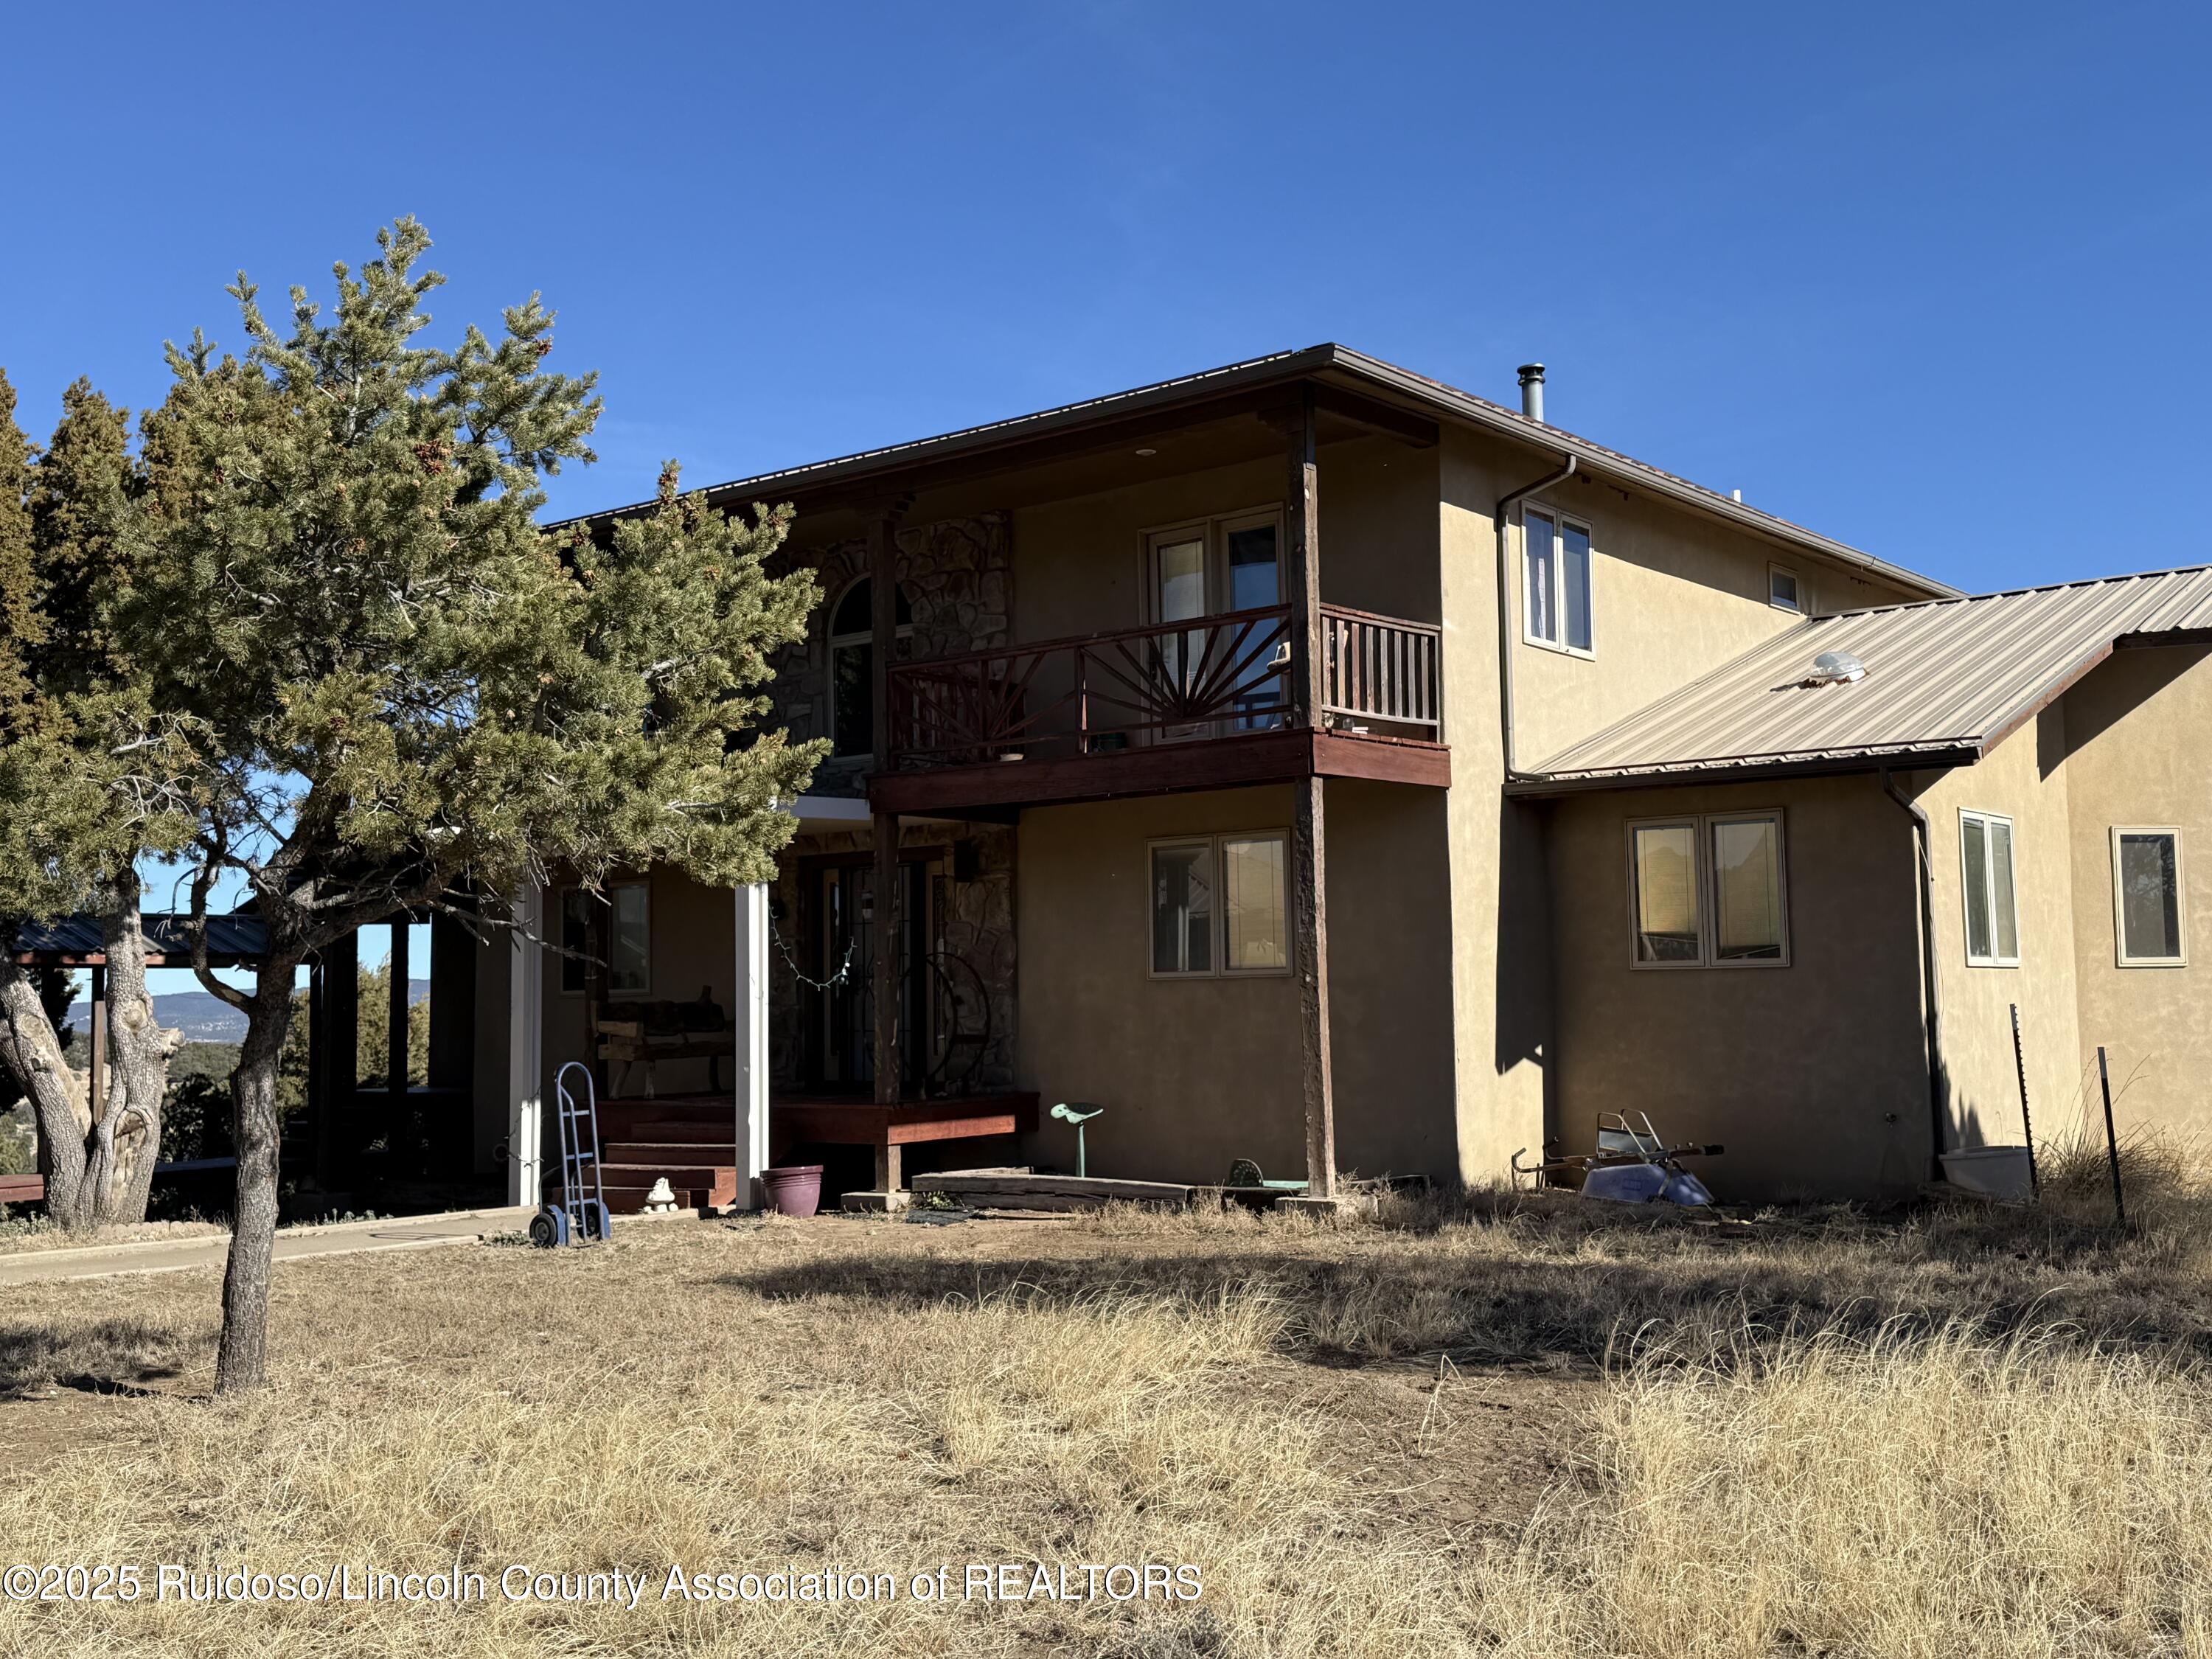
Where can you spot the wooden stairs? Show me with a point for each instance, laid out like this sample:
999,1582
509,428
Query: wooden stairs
693,1143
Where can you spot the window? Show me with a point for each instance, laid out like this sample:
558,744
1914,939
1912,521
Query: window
1224,564
1782,591
2147,914
1708,892
1555,581
576,939
1986,870
629,967
1220,905
851,663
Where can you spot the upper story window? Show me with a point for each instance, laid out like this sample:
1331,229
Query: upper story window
1217,565
851,664
1986,870
2146,909
1555,581
1708,891
1784,590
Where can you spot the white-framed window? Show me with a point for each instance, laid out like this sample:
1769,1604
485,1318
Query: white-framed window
2149,919
1708,891
1555,581
629,939
1220,905
1232,561
1784,590
1986,876
852,664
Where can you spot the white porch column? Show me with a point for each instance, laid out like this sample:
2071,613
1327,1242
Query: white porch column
526,1021
750,1016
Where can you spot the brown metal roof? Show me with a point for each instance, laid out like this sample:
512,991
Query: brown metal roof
1340,361
1946,681
75,941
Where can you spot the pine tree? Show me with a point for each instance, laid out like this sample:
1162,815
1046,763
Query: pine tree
87,784
19,611
406,693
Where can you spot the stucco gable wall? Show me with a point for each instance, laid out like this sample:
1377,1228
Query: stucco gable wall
2027,780
2139,751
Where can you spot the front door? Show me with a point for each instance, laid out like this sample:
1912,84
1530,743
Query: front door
848,933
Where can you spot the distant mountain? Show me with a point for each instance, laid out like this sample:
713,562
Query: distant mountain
203,1017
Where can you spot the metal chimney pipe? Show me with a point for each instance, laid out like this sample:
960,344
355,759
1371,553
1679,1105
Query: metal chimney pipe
1532,392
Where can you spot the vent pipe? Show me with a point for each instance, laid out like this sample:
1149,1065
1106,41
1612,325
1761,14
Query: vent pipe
1532,392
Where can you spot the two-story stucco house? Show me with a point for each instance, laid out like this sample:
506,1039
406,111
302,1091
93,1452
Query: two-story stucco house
1309,762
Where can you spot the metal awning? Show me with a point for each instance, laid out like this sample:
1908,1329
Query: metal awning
1946,681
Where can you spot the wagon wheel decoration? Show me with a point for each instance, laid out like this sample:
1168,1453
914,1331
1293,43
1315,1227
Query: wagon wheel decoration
959,1024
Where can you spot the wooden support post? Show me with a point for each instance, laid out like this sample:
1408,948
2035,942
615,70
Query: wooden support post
453,951
96,1072
885,933
340,1042
318,1066
1308,834
395,1037
883,594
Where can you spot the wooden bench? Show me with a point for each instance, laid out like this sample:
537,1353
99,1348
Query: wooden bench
22,1189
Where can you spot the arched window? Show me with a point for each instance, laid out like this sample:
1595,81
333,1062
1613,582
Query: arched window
851,662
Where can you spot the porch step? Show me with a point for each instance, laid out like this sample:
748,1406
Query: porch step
666,1132
696,1185
660,1154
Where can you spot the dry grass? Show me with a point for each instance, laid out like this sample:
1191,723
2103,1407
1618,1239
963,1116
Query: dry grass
35,1232
1525,1426
1910,1494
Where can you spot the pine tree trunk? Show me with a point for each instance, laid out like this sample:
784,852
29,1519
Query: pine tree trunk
127,1140
241,1359
32,1051
100,1169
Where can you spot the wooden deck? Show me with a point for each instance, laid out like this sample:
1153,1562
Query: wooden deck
690,1139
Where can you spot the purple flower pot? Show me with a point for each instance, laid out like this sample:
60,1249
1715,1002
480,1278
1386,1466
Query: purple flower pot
795,1191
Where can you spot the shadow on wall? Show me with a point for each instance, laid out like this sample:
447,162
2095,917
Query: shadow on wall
1524,983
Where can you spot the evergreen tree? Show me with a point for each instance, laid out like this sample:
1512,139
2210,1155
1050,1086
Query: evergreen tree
88,783
408,695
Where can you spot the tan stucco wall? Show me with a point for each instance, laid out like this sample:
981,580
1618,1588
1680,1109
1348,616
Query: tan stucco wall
2137,754
1194,1072
1671,596
1499,963
1814,1076
2024,779
1390,984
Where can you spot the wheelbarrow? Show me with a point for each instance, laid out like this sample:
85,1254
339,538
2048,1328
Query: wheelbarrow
1631,1164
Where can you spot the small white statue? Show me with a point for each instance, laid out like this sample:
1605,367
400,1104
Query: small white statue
661,1200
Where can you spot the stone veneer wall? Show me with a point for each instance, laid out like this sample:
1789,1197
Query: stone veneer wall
958,577
977,926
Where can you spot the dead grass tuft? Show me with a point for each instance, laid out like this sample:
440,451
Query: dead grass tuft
1908,1493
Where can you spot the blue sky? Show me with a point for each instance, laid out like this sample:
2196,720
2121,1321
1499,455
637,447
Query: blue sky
1928,278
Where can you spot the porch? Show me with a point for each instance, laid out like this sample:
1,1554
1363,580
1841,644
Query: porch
1196,703
697,1142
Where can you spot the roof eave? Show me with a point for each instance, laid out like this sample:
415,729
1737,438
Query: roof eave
1922,759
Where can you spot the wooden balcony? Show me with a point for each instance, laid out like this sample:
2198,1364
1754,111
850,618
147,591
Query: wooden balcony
1201,704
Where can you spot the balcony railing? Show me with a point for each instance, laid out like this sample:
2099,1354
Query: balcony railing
1208,677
